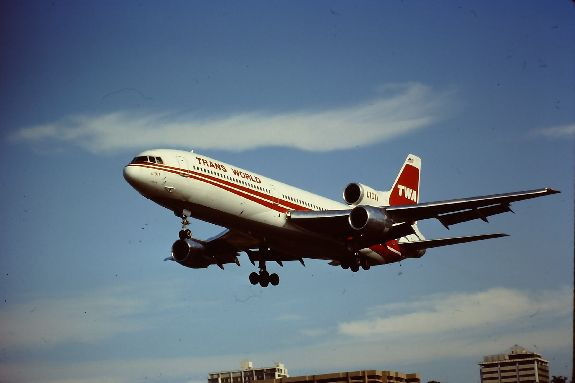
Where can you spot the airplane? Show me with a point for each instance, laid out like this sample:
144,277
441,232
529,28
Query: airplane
271,221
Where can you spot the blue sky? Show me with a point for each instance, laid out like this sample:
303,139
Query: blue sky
315,94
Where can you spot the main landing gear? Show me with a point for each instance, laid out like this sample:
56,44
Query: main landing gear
263,277
354,262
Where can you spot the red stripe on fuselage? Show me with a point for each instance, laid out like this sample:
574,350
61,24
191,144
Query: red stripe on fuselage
239,190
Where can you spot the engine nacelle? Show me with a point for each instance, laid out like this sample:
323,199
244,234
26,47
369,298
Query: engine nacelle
190,253
370,221
359,194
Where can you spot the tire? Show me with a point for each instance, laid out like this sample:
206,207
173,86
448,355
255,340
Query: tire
274,279
365,264
254,278
264,278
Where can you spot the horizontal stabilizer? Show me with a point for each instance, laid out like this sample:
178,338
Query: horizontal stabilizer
430,243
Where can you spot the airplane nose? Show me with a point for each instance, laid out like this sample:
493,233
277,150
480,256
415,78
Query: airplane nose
130,175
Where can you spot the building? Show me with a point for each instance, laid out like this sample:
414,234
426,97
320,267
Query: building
366,376
248,373
518,365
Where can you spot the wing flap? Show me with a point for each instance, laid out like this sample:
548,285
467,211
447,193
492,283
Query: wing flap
469,215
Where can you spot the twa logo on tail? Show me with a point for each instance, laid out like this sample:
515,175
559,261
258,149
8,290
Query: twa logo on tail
407,192
405,189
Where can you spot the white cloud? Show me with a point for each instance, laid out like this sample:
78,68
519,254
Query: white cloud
476,324
399,110
444,326
390,353
447,313
85,320
315,332
557,132
81,318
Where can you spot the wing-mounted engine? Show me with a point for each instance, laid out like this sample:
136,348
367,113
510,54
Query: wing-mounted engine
197,255
371,222
359,194
190,253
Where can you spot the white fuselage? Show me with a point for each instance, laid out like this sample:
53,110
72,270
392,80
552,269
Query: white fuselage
229,196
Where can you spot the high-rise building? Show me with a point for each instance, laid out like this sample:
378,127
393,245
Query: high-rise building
247,373
366,376
518,365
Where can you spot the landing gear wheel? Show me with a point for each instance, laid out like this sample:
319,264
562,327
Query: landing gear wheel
274,279
354,262
254,278
264,282
185,234
264,278
365,264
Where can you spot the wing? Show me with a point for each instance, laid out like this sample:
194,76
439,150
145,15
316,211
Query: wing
231,240
332,222
225,246
336,223
455,211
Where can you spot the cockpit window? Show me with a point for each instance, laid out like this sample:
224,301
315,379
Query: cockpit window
139,160
147,159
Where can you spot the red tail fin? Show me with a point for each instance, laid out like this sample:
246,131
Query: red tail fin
405,189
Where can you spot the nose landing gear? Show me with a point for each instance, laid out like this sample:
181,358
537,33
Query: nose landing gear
185,233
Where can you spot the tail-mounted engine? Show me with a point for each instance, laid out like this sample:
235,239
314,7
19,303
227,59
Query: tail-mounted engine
359,194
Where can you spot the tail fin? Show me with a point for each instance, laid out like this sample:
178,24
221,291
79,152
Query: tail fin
405,189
